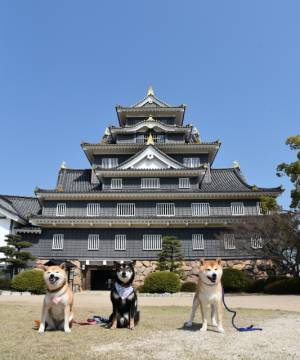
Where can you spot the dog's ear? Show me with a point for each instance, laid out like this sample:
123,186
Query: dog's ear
201,261
219,261
41,266
117,264
133,262
63,266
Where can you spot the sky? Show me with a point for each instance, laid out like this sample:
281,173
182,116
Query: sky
64,65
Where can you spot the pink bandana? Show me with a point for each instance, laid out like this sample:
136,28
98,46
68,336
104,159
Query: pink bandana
56,299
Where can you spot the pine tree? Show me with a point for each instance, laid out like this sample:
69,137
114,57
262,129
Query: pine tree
14,254
170,257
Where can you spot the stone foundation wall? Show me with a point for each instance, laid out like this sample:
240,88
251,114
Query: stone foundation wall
256,269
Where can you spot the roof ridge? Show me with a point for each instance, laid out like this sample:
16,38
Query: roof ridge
18,196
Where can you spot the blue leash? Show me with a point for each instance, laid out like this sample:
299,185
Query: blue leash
241,329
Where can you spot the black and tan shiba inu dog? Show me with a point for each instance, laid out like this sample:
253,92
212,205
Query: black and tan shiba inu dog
124,298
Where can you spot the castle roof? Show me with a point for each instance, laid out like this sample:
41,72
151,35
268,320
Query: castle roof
21,208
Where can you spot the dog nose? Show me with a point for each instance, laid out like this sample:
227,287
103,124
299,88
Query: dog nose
214,276
123,273
51,276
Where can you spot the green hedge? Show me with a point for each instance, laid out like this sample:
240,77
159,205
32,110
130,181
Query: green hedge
258,286
161,282
287,286
234,280
29,280
188,286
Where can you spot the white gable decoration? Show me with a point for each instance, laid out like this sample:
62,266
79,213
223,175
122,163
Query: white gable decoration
150,158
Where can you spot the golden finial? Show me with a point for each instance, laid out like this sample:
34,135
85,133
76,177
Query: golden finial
63,165
150,91
150,118
59,188
150,140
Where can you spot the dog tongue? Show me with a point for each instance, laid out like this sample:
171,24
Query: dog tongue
56,299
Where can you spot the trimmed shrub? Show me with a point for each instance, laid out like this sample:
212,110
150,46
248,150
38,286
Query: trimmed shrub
5,284
161,282
287,286
29,280
234,280
188,286
256,286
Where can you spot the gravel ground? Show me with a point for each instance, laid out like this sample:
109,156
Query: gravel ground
160,335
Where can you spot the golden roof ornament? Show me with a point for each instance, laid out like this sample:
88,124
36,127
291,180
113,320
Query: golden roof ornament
236,165
150,140
59,188
63,165
150,118
150,91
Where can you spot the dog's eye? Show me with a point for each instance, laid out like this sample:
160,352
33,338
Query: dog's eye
208,269
216,269
56,272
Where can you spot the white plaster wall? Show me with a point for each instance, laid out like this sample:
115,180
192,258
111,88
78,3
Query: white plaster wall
4,230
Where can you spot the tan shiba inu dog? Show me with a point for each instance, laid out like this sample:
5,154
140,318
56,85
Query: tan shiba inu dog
209,294
57,312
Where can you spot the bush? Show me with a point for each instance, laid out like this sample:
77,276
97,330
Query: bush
188,286
287,286
5,284
161,282
29,280
256,286
234,280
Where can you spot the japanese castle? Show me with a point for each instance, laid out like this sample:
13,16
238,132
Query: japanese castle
150,176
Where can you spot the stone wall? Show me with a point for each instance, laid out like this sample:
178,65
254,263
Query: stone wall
256,269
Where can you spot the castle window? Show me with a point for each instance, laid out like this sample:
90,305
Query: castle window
58,242
198,242
200,209
93,242
229,241
93,209
237,208
152,242
116,184
158,138
126,209
184,183
109,163
150,183
120,242
165,209
256,241
191,162
61,209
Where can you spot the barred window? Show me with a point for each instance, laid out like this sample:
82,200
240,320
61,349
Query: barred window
260,210
184,183
61,209
237,208
229,241
191,162
93,209
165,209
93,242
58,242
152,242
200,209
116,184
158,138
126,209
256,241
150,183
198,242
120,242
109,163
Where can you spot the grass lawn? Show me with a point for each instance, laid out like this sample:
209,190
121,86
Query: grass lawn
158,336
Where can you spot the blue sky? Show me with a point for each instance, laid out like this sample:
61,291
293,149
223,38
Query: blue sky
64,65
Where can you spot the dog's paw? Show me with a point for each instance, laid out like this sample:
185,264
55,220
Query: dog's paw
220,329
188,324
203,329
113,327
67,331
41,330
214,323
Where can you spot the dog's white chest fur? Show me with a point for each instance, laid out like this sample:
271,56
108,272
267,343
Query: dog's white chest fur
56,309
210,295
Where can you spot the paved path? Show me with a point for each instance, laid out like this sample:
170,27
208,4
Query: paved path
96,298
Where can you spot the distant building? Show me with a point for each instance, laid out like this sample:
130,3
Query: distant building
150,176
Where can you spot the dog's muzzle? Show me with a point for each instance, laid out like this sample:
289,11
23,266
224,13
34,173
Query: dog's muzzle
53,279
213,278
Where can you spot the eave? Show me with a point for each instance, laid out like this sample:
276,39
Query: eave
109,222
169,148
33,230
54,195
124,112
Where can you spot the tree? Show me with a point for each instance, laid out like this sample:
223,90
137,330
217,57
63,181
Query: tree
280,236
170,257
292,170
14,254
